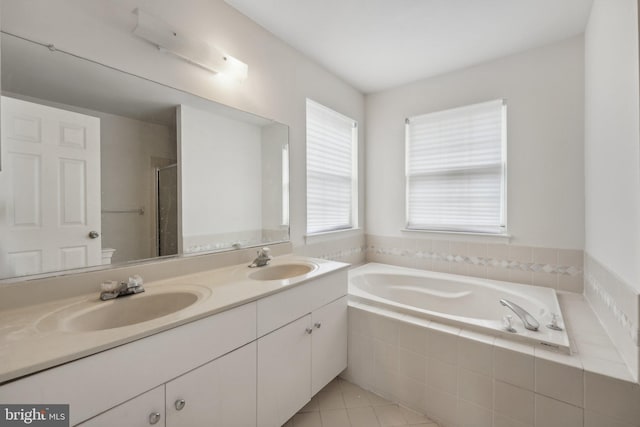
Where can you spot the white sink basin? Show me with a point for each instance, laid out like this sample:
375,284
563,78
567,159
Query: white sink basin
120,312
282,271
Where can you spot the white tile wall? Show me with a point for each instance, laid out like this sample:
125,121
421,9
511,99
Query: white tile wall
514,402
475,352
463,378
475,388
471,415
351,248
620,400
617,305
552,413
550,267
514,365
559,381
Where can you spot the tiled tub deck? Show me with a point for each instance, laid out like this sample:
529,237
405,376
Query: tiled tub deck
463,378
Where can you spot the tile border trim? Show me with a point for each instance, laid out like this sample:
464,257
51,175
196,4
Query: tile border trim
599,290
476,260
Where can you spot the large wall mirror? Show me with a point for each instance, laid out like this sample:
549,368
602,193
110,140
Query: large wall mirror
102,167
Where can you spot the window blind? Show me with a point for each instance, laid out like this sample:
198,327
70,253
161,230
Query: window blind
331,169
455,169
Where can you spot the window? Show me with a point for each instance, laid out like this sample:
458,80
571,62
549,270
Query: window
456,169
331,170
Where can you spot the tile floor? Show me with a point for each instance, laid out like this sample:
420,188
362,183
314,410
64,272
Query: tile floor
342,404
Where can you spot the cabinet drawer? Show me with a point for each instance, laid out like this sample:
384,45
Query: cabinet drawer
96,383
284,307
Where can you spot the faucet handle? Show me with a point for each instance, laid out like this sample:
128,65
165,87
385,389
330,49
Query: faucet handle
554,323
506,320
109,286
134,281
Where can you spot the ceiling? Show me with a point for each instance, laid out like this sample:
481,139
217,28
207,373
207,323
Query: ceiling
378,44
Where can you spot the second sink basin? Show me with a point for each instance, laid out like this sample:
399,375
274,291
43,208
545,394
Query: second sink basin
282,271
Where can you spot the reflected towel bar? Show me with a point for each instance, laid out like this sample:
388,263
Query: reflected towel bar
139,211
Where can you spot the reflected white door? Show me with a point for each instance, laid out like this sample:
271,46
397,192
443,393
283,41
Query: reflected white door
49,189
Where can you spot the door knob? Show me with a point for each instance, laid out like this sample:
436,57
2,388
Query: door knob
308,331
94,234
317,325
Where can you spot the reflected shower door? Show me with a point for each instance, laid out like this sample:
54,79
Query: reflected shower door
167,210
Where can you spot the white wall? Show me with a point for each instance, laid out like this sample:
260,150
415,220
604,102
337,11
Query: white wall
127,148
612,173
612,151
272,138
544,90
220,175
280,78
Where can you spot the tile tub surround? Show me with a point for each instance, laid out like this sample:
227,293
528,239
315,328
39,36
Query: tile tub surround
560,269
617,305
462,378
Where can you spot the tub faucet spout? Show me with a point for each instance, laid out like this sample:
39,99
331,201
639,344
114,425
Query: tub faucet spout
529,321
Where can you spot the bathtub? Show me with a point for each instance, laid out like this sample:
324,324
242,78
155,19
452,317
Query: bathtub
462,301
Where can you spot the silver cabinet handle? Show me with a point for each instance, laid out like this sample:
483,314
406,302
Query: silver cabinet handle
309,331
94,234
317,325
154,417
180,404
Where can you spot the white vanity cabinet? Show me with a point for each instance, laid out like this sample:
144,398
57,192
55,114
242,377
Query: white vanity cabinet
303,348
254,364
219,393
97,383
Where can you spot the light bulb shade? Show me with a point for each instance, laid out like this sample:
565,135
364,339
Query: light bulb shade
196,52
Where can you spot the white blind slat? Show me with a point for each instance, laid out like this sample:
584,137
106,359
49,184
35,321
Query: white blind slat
455,169
331,139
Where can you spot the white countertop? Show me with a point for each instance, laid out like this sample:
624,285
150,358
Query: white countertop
29,344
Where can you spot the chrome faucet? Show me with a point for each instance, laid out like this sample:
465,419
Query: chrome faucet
114,289
262,259
529,321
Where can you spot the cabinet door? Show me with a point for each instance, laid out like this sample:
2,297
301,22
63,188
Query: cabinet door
329,343
220,393
284,364
142,411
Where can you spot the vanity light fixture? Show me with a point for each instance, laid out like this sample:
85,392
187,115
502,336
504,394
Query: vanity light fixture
196,52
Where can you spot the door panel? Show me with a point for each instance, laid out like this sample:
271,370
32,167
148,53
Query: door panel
220,393
284,364
329,343
49,189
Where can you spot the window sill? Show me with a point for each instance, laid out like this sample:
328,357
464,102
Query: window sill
331,235
463,235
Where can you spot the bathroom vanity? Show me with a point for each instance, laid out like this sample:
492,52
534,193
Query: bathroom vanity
251,350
